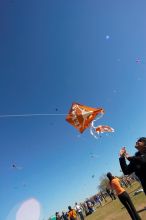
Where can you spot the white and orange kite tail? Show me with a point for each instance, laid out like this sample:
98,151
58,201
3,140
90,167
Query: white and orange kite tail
104,128
81,116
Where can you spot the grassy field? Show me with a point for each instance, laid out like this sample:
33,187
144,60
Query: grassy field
114,210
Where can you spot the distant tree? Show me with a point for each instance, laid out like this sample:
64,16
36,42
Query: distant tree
103,182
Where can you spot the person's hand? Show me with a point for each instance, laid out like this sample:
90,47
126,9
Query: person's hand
122,152
127,155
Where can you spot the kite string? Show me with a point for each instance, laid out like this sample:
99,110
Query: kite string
28,115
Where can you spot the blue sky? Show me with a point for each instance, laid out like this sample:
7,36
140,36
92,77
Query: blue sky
52,54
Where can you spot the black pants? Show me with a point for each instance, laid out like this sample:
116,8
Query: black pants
126,201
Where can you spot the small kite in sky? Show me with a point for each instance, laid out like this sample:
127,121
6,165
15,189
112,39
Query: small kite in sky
81,116
93,176
14,166
138,60
24,185
93,155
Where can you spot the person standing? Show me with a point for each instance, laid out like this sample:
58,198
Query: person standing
58,217
123,196
79,211
98,200
137,163
72,213
90,207
64,216
103,196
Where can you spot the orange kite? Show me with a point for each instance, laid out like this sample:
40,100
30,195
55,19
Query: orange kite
81,116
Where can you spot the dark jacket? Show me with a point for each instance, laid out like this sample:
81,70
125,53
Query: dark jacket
138,165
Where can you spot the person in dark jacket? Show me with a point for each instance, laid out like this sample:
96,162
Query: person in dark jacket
137,163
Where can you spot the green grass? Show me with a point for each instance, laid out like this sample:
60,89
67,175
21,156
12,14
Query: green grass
114,210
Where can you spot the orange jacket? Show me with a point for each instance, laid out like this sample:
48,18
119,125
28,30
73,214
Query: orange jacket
72,214
115,184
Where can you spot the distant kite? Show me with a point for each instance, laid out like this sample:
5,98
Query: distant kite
14,166
93,155
138,60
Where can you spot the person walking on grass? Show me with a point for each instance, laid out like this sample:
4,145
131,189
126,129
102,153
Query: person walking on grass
123,196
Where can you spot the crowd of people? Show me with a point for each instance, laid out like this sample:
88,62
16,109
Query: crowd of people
73,213
116,186
80,211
